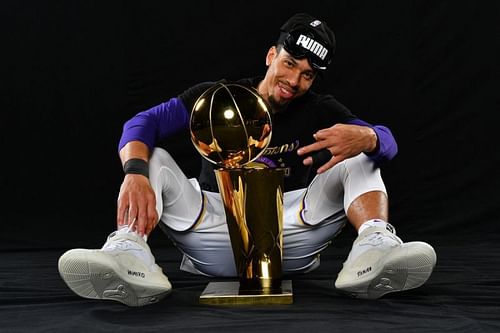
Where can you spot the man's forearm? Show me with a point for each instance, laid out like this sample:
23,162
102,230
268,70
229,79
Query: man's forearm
134,149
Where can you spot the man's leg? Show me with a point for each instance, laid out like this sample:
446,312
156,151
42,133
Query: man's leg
379,262
368,206
314,216
124,269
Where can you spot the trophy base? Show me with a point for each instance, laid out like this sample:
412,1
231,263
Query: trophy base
235,293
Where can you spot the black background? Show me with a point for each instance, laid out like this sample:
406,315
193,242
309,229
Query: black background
72,72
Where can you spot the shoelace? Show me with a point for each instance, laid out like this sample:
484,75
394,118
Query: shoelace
125,245
120,244
378,238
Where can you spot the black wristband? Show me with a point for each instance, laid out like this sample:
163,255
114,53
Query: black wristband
136,166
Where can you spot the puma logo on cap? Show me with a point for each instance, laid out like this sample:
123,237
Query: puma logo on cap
310,44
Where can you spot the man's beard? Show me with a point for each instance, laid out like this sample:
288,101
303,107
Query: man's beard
277,106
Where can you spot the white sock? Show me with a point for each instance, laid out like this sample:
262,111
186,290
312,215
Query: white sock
375,223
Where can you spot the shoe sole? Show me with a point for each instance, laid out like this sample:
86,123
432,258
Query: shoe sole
406,269
98,278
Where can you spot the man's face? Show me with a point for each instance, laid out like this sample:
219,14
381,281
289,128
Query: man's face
286,78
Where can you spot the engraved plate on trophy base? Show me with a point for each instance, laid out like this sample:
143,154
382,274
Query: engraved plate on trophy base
238,293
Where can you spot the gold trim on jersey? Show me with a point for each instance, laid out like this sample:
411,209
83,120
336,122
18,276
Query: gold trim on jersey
302,208
201,214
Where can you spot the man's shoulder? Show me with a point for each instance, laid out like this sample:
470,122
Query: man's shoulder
191,95
324,105
204,85
249,82
199,88
321,100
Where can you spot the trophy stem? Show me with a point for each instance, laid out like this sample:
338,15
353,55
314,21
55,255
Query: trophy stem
253,202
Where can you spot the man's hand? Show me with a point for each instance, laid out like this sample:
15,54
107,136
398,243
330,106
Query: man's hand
137,204
343,141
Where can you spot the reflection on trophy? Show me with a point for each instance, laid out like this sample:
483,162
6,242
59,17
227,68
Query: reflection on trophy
231,127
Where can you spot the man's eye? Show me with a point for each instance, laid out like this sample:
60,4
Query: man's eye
308,76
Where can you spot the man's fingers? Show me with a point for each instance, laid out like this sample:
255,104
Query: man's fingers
152,214
141,214
121,213
322,134
132,214
146,217
312,147
332,162
141,222
137,206
308,161
321,157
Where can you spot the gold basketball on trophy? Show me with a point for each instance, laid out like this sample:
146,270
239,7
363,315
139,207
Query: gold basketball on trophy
230,125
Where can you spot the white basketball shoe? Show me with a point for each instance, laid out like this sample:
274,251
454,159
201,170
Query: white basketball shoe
380,263
123,270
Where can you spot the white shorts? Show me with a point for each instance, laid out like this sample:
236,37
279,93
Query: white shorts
195,220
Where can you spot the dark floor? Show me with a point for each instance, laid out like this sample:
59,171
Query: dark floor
463,295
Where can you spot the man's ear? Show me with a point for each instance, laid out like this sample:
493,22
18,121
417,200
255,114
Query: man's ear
271,54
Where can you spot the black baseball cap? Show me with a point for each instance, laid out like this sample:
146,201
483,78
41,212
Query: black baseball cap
304,36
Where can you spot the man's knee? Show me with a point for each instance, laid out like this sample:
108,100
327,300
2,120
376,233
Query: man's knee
360,161
160,155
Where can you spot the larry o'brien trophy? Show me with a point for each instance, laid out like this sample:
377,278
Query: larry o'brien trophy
231,127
